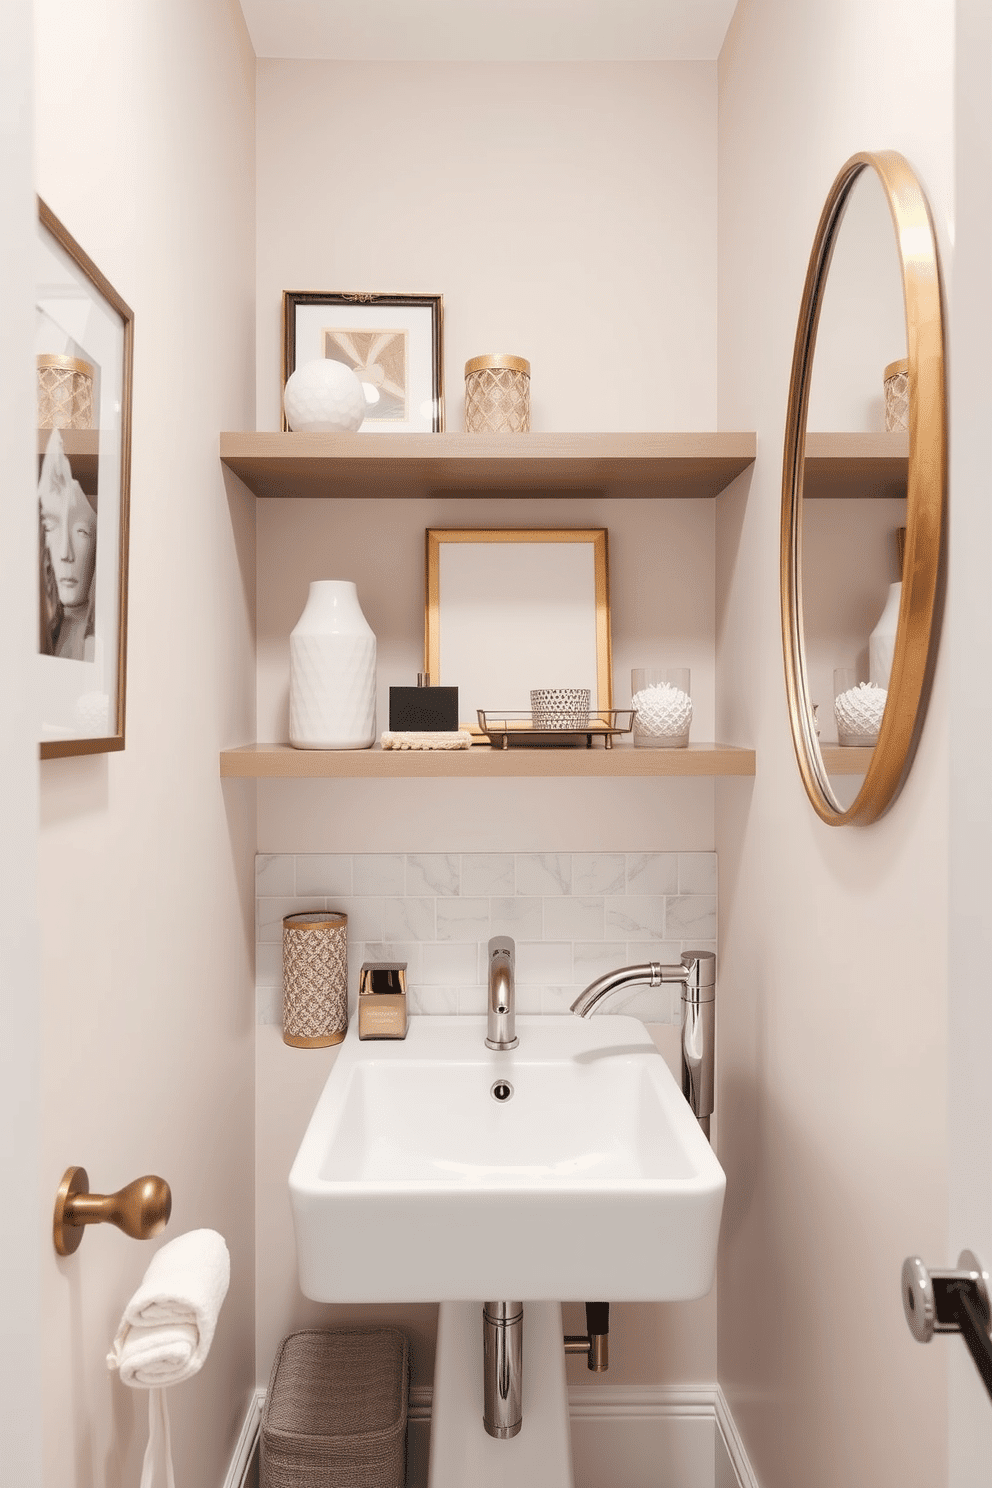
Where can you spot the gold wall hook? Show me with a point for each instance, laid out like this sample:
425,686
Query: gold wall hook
141,1210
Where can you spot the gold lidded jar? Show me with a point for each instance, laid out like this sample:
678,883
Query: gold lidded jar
65,393
497,394
896,380
315,979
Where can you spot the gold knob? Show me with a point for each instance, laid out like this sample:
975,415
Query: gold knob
141,1210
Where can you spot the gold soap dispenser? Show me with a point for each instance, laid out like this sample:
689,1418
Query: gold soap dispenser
382,1000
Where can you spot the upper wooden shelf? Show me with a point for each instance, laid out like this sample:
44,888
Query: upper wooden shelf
873,465
283,762
381,465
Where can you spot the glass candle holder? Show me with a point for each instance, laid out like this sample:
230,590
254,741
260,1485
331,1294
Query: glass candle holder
662,701
858,709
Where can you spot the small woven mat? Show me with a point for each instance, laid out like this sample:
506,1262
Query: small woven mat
453,739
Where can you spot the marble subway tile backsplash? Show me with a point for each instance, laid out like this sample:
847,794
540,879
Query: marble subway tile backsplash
573,916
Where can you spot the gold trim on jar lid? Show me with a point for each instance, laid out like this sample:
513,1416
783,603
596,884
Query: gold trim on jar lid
497,359
66,364
318,919
895,368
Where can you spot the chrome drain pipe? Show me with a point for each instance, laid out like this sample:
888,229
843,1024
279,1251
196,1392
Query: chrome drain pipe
502,1351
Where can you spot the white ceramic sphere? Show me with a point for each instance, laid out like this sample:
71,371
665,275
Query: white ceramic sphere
324,397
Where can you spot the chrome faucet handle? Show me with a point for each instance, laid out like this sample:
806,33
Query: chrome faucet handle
501,1021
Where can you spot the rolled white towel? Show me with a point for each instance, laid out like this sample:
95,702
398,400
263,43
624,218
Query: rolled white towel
168,1325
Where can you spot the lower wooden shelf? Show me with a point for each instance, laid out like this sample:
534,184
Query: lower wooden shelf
623,761
846,759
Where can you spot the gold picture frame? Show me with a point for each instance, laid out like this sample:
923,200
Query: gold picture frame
511,609
84,349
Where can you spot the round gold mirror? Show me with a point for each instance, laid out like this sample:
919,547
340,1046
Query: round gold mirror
863,591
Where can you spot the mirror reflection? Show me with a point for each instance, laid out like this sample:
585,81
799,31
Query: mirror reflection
851,542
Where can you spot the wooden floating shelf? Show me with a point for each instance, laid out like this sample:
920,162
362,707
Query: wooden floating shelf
623,761
844,759
847,465
417,465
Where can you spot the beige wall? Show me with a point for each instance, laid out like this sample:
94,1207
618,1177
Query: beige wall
145,138
25,1230
567,213
970,629
832,1086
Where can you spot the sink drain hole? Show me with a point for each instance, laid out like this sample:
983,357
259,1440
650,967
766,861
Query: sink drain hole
501,1090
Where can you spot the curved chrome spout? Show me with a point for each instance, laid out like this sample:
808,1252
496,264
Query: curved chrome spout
501,1027
697,973
649,975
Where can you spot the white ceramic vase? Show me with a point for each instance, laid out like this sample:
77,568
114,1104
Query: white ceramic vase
882,641
332,671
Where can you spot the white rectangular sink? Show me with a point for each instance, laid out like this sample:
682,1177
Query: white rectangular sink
591,1180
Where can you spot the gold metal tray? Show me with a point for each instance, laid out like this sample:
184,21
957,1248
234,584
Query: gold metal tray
517,730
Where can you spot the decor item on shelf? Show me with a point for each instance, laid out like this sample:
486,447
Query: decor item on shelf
65,392
522,730
314,979
897,397
508,609
84,337
497,394
332,671
858,709
882,641
425,739
392,343
560,707
662,703
324,397
423,709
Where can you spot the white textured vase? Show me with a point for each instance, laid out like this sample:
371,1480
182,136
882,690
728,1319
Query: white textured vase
332,671
882,641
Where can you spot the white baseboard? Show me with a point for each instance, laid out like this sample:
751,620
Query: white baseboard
609,1404
237,1473
727,1427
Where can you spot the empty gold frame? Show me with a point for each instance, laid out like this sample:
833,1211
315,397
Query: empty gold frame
926,495
509,610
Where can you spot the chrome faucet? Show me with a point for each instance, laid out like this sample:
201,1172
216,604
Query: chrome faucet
501,1031
697,973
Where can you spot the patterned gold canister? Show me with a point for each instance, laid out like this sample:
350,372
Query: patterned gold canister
65,393
497,395
315,979
897,397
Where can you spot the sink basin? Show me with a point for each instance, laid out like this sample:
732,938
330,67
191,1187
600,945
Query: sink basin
414,1183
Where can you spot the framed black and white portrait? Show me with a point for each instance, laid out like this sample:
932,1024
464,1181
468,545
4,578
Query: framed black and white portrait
83,345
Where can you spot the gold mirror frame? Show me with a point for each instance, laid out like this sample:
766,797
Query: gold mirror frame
926,494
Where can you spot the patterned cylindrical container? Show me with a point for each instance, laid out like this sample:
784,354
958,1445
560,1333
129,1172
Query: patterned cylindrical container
65,393
896,381
497,395
315,979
